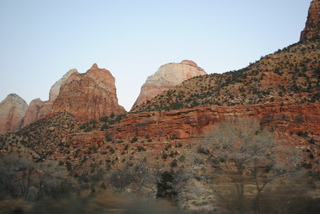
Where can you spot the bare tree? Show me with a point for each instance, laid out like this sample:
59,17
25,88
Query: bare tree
242,153
142,177
15,175
21,178
121,179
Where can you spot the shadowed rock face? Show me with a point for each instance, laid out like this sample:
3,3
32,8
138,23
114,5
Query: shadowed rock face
12,110
89,96
38,109
312,28
167,76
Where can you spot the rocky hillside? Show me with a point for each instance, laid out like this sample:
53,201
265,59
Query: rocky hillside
167,76
12,111
290,74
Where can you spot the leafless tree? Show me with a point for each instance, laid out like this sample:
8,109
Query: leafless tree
243,155
21,178
120,179
15,175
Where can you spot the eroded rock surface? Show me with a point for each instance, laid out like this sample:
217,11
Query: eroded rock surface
167,76
12,111
312,28
89,96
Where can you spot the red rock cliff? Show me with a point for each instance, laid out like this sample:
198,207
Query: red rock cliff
38,109
89,96
12,110
189,123
312,28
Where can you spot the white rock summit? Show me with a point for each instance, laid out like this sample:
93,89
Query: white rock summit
167,76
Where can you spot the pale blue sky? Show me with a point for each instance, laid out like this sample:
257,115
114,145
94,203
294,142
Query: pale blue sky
41,40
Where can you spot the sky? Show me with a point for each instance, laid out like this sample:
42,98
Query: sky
41,40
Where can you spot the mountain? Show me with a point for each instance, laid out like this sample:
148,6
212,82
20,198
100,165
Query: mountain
163,142
288,75
167,76
39,109
12,110
312,28
89,96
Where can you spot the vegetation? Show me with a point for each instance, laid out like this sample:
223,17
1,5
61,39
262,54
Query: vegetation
247,174
284,75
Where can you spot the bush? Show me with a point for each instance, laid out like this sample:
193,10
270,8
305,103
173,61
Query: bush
141,149
134,139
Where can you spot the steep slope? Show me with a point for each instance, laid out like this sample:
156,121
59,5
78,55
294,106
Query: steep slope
312,28
167,76
89,96
12,110
38,109
291,74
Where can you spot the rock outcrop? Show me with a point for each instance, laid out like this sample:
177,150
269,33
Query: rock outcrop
55,89
167,76
312,28
89,96
38,109
194,122
12,110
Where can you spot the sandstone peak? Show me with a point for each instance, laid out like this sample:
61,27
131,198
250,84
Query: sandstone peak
55,89
12,110
189,62
94,67
89,96
13,99
312,28
166,77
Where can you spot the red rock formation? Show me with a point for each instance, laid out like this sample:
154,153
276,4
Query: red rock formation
89,96
190,123
38,109
167,76
12,110
312,28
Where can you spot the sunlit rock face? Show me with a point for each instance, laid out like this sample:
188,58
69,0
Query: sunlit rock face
38,109
12,111
312,28
55,89
167,76
89,96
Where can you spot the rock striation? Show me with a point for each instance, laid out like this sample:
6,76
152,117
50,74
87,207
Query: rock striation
312,28
38,109
167,76
88,96
12,110
194,122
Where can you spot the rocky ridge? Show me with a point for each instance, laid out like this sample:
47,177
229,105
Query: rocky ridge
288,74
89,96
281,90
167,76
312,28
12,110
38,109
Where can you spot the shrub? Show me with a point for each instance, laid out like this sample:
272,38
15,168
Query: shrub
141,149
134,139
164,156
